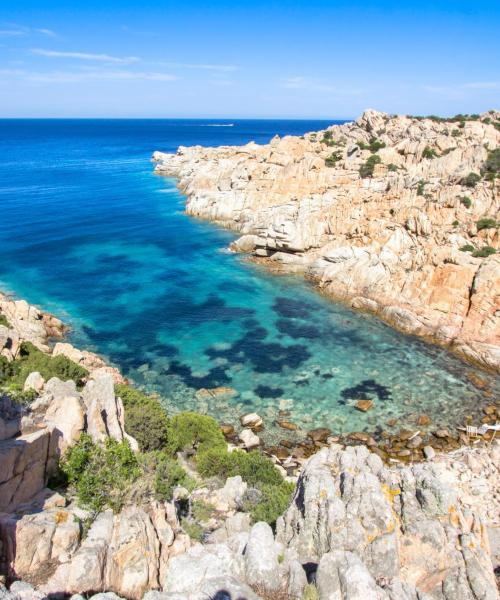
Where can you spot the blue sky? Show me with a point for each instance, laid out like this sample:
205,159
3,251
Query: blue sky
324,59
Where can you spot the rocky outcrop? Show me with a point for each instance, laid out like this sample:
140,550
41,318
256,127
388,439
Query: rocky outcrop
387,243
380,533
54,422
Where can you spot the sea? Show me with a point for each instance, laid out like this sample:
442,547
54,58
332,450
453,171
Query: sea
90,233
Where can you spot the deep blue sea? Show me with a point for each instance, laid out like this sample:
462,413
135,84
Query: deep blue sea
90,233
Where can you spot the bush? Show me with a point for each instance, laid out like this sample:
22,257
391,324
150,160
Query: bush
253,467
392,167
484,252
145,418
189,430
168,474
471,180
32,359
100,474
429,153
367,168
466,248
455,223
374,145
466,201
4,321
332,160
420,187
491,167
456,133
486,223
274,502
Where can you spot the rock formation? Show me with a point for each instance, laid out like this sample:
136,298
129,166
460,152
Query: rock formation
376,212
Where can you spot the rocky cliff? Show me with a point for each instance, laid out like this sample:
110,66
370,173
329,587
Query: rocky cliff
391,214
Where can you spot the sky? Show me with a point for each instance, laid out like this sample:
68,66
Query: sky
247,59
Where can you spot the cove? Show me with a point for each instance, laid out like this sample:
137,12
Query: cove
89,233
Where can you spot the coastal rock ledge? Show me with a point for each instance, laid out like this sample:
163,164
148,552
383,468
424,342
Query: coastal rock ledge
395,215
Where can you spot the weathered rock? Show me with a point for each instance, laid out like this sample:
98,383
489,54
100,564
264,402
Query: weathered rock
23,473
377,524
251,420
378,243
261,558
249,439
34,381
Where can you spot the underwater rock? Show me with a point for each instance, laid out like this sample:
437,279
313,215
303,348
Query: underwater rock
364,405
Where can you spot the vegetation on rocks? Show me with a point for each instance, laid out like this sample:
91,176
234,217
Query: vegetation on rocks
374,145
257,471
367,168
491,167
190,431
486,223
100,474
484,252
429,153
333,159
145,419
4,321
13,374
467,248
466,201
471,180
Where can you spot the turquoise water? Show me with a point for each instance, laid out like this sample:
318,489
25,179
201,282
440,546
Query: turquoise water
91,234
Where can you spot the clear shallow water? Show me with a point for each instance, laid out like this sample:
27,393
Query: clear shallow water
90,233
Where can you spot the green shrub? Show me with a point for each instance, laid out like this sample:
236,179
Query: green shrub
466,201
275,500
392,167
253,467
194,530
202,511
189,430
456,133
168,474
100,474
374,145
32,359
333,159
466,248
420,187
455,223
429,153
367,168
491,167
486,223
484,252
24,398
145,418
4,321
471,180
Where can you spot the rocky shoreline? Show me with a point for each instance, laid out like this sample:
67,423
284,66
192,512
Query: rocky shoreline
393,215
355,528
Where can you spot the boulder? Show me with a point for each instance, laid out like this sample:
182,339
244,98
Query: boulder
34,381
249,439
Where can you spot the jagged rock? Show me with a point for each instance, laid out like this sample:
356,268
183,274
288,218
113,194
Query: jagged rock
261,558
23,472
231,495
104,410
188,573
33,543
378,524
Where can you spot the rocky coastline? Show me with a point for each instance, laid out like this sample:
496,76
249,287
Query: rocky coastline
355,528
394,215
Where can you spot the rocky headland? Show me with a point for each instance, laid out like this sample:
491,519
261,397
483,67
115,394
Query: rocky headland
98,499
395,215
